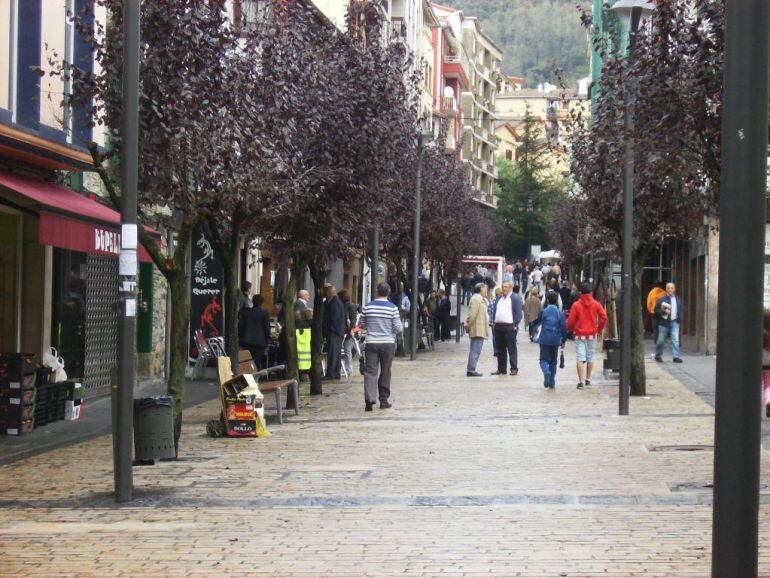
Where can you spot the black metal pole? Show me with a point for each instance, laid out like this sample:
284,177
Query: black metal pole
375,267
627,243
739,339
127,262
416,264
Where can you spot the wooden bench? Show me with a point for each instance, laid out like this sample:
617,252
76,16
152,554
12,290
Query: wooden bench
246,365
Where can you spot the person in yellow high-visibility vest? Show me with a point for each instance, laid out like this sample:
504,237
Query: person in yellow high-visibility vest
303,349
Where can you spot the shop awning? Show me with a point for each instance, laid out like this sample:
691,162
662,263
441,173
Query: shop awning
68,220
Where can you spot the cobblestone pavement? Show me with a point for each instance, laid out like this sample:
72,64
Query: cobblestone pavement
462,476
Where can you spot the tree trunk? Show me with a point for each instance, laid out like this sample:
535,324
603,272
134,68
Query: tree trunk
318,273
289,299
180,314
232,302
638,375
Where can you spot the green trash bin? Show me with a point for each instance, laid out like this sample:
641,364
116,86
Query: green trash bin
153,429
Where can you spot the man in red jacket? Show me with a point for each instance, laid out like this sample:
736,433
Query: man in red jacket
587,319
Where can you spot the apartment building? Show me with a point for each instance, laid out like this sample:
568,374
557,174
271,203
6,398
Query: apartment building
469,77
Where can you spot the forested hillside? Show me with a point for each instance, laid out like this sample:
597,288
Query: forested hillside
536,36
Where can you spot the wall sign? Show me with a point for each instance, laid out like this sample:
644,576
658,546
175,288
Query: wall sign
206,291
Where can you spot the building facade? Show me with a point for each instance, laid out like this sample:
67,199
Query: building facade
550,106
471,58
60,240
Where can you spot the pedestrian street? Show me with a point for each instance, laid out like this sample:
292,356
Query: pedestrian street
464,476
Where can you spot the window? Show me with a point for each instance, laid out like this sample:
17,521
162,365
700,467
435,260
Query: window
509,155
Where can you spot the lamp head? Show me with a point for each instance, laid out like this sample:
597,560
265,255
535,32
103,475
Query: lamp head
633,12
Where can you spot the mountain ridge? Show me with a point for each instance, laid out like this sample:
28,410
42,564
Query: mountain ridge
537,36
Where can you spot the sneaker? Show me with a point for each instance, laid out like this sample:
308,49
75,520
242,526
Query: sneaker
588,382
369,406
474,374
580,385
659,359
514,372
385,405
677,360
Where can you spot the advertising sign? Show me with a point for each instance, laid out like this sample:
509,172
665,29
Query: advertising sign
206,291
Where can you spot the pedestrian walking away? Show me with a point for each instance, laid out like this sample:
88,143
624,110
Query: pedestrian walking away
334,331
536,279
443,313
553,334
382,322
668,311
477,326
507,314
586,322
254,330
532,308
653,297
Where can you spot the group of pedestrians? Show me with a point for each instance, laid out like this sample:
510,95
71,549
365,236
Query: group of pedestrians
550,319
664,307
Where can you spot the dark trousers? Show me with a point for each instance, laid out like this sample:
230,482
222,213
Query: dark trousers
505,340
333,358
257,354
379,359
549,356
444,330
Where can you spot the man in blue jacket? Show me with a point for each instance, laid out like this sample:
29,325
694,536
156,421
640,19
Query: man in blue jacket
553,333
334,329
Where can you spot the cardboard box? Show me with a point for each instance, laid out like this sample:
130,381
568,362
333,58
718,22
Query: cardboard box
73,410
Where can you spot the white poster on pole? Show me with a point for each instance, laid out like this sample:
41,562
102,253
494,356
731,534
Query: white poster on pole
767,286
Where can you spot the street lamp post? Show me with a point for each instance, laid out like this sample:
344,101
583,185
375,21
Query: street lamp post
127,263
414,313
742,213
631,13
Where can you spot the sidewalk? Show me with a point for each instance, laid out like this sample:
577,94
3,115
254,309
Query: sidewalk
463,476
96,422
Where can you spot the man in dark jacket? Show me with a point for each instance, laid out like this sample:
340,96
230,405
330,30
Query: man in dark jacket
668,312
254,330
334,330
506,315
443,313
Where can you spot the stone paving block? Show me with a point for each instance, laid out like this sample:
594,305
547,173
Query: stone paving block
463,477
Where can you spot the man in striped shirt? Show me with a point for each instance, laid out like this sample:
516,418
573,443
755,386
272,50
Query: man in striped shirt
382,322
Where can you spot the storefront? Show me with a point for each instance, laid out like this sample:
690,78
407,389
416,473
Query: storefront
58,277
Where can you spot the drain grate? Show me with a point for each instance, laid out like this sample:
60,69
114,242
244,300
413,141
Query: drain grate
691,448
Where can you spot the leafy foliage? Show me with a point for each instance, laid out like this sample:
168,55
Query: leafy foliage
672,80
529,191
536,36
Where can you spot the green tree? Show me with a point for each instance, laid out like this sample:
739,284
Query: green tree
528,191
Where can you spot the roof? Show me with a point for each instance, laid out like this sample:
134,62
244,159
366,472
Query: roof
568,94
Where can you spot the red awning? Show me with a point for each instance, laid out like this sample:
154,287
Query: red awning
69,220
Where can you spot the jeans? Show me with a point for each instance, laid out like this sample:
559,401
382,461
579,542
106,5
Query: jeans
549,355
671,329
348,359
334,344
505,338
379,359
467,296
477,343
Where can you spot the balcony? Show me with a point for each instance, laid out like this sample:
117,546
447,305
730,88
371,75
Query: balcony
449,106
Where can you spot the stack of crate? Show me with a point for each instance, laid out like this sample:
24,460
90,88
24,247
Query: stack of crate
17,393
50,400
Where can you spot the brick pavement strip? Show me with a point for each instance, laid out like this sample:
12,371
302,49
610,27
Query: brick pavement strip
491,476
